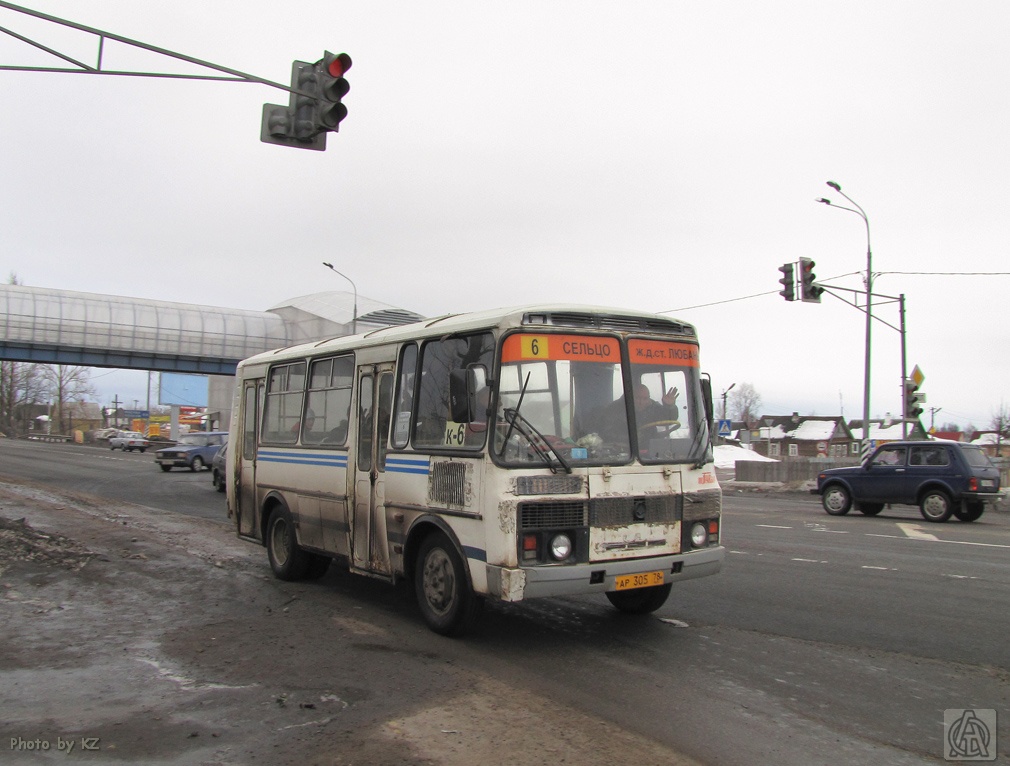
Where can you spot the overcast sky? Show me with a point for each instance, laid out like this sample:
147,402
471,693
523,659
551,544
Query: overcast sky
664,156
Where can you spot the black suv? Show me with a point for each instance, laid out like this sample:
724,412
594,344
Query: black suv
943,478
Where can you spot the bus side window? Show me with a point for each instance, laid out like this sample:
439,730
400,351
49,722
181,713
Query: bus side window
385,402
439,358
330,400
365,424
283,407
404,411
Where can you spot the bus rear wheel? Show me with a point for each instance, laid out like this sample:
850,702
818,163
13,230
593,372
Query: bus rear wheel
640,600
287,560
448,603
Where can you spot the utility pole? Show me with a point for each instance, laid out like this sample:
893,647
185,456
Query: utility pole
932,416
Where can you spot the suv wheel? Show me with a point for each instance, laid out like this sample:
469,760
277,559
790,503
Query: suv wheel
836,500
972,511
936,506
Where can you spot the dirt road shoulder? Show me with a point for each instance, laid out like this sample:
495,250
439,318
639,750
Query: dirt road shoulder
132,635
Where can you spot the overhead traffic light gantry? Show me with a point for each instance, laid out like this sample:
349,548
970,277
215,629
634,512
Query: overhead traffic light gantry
315,107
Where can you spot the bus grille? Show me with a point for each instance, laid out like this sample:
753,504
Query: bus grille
447,483
548,485
706,504
620,511
556,515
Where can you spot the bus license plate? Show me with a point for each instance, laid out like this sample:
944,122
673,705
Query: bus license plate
643,580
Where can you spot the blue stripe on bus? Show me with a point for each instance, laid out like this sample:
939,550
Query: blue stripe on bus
403,465
302,458
475,553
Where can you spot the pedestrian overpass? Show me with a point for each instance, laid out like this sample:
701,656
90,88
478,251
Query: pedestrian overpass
91,330
47,326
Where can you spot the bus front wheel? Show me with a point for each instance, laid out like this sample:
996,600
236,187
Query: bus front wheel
448,603
287,560
640,600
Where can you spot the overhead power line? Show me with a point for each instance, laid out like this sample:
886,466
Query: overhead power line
849,274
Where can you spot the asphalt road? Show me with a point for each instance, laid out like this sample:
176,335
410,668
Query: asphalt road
133,477
825,640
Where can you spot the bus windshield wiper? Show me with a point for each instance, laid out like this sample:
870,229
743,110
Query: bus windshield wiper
517,422
537,440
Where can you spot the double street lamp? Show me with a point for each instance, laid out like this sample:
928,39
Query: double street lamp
354,321
868,280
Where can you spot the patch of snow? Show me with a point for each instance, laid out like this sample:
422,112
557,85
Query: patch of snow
726,456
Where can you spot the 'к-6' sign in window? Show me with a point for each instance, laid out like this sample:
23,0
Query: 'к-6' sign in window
575,348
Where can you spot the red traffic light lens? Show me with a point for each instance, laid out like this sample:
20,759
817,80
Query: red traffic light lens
339,64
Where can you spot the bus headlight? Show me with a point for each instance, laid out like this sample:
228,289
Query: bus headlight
561,547
699,535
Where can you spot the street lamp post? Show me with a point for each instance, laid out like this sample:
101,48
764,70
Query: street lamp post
869,301
354,321
724,394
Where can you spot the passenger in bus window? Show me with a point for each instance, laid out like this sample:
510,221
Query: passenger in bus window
609,422
647,410
310,420
336,435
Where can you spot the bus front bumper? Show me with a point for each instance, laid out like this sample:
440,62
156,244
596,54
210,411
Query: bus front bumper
518,583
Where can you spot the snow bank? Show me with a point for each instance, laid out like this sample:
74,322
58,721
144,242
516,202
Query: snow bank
726,456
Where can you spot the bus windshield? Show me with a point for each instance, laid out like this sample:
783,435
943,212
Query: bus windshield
593,400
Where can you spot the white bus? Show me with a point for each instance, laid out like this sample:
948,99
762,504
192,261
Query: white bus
509,454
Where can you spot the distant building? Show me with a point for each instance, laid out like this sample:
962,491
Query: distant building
992,443
785,436
890,430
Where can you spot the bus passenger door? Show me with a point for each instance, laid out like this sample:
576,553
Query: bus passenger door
369,548
245,443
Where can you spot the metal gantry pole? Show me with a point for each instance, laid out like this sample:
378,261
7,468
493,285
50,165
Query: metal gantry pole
868,281
904,370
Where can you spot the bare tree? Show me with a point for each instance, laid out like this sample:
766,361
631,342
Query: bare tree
67,383
21,386
745,403
1000,423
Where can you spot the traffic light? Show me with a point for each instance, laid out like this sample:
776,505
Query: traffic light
305,104
914,399
788,281
314,107
333,87
294,124
809,292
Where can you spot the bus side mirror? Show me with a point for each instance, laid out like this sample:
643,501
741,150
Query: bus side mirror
459,402
706,394
464,389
